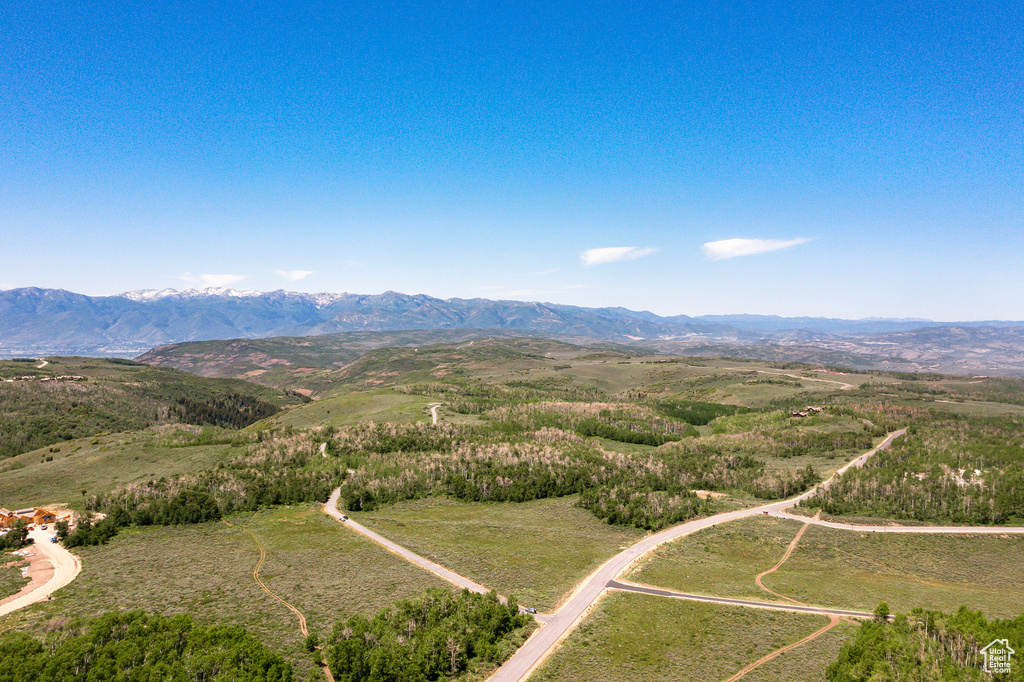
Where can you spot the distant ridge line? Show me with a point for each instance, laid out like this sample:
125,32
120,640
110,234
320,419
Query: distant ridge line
38,322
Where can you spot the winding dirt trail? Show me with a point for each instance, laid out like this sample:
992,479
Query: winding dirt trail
789,550
832,622
833,619
263,586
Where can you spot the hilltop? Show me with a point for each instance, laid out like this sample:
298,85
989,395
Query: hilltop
61,399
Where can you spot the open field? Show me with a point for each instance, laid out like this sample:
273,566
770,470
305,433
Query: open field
98,464
933,572
808,661
640,638
721,561
843,569
312,561
537,550
379,406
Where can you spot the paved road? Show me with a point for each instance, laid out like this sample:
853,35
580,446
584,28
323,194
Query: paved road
66,567
659,592
543,641
930,530
332,508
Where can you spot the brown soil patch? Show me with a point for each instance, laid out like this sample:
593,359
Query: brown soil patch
40,570
705,494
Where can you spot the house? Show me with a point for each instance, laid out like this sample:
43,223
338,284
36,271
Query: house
36,515
7,518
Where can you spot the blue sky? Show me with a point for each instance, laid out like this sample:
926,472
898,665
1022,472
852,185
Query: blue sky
844,159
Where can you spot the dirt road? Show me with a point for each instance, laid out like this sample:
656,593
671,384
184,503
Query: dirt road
66,567
626,586
451,576
925,530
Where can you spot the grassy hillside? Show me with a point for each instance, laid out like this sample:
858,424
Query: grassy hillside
303,362
312,562
548,457
70,398
70,471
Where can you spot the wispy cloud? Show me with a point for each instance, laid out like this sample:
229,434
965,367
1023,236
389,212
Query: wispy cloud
294,275
211,280
612,254
733,248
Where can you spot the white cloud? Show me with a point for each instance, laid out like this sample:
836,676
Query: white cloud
294,275
733,248
211,280
612,254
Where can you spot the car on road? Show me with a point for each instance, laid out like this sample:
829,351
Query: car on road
529,609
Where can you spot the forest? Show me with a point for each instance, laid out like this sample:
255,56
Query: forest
140,647
517,454
925,645
437,636
953,469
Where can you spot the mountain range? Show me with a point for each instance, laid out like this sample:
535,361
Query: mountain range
37,322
